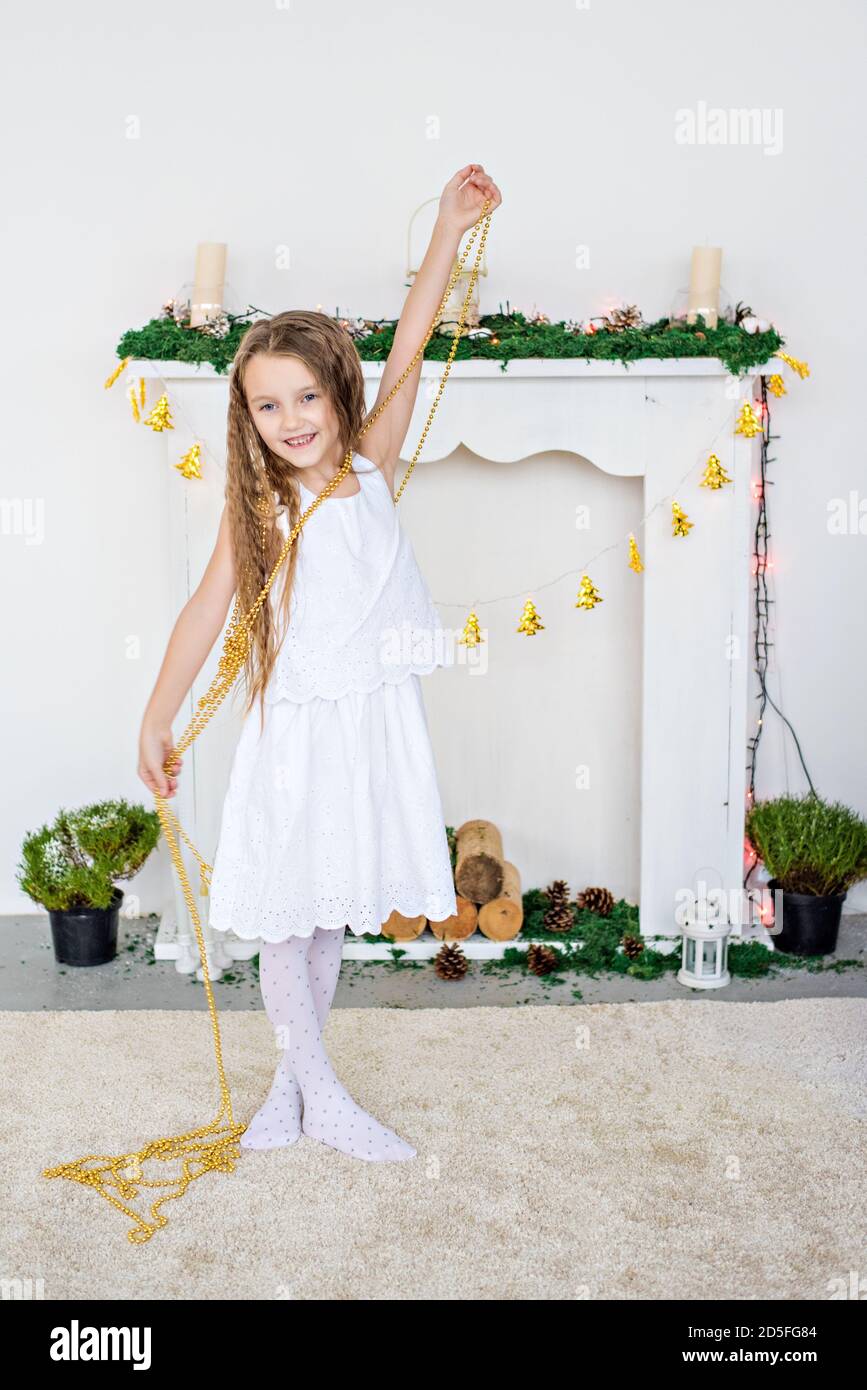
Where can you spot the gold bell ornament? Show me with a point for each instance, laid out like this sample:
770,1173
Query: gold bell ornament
472,633
680,522
635,561
530,622
588,594
748,422
714,475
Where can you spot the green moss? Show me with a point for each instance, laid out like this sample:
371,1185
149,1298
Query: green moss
163,340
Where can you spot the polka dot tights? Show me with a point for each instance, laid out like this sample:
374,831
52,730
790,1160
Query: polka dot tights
298,978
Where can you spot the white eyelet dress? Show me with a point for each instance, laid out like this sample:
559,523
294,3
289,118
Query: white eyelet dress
333,815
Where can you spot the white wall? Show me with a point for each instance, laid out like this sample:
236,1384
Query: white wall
309,126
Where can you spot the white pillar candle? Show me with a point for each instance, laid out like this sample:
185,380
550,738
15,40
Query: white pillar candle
207,297
704,284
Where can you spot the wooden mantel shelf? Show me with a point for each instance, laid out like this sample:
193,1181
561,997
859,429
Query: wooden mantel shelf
482,368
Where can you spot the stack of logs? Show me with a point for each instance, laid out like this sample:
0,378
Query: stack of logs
487,892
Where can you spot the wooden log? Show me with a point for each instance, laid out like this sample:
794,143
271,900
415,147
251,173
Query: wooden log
478,861
457,927
502,918
399,928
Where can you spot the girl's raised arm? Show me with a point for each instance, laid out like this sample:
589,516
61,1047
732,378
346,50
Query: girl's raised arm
200,622
460,207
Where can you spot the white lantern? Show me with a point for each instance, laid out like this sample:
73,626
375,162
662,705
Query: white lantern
451,312
706,931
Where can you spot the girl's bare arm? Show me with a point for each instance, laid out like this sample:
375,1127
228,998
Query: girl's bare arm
460,207
199,624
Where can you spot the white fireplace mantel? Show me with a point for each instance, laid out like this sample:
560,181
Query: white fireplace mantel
652,419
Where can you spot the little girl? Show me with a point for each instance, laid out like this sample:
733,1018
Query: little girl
332,818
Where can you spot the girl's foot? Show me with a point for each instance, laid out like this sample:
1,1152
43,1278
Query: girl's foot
332,1117
298,980
278,1122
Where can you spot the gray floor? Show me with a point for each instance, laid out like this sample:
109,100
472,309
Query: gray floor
31,979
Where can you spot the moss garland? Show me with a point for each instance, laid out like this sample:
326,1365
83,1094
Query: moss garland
518,338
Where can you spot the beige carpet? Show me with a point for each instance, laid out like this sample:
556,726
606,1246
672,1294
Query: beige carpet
691,1149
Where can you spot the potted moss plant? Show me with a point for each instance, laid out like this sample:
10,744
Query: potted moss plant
814,851
70,868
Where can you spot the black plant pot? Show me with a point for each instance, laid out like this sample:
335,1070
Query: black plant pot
86,935
810,923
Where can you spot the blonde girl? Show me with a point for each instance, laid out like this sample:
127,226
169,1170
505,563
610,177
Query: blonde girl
332,818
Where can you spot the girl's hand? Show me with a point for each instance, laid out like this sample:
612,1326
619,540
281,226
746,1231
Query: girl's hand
464,195
155,745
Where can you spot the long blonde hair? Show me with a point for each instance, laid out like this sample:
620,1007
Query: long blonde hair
254,473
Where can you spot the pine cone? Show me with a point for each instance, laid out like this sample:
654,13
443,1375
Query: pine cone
632,946
597,900
627,317
216,327
541,959
559,916
450,963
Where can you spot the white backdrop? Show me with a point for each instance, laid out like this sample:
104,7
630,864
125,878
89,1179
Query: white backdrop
319,128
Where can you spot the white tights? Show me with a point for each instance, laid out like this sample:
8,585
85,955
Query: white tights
298,978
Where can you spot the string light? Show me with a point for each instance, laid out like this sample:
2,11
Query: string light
762,602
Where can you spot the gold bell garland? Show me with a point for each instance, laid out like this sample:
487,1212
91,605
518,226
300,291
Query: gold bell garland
160,418
748,423
530,622
472,633
214,1147
714,475
191,463
588,594
680,522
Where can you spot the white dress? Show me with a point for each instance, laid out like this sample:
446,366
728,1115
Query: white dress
333,815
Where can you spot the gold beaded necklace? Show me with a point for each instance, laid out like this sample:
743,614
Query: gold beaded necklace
120,1178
